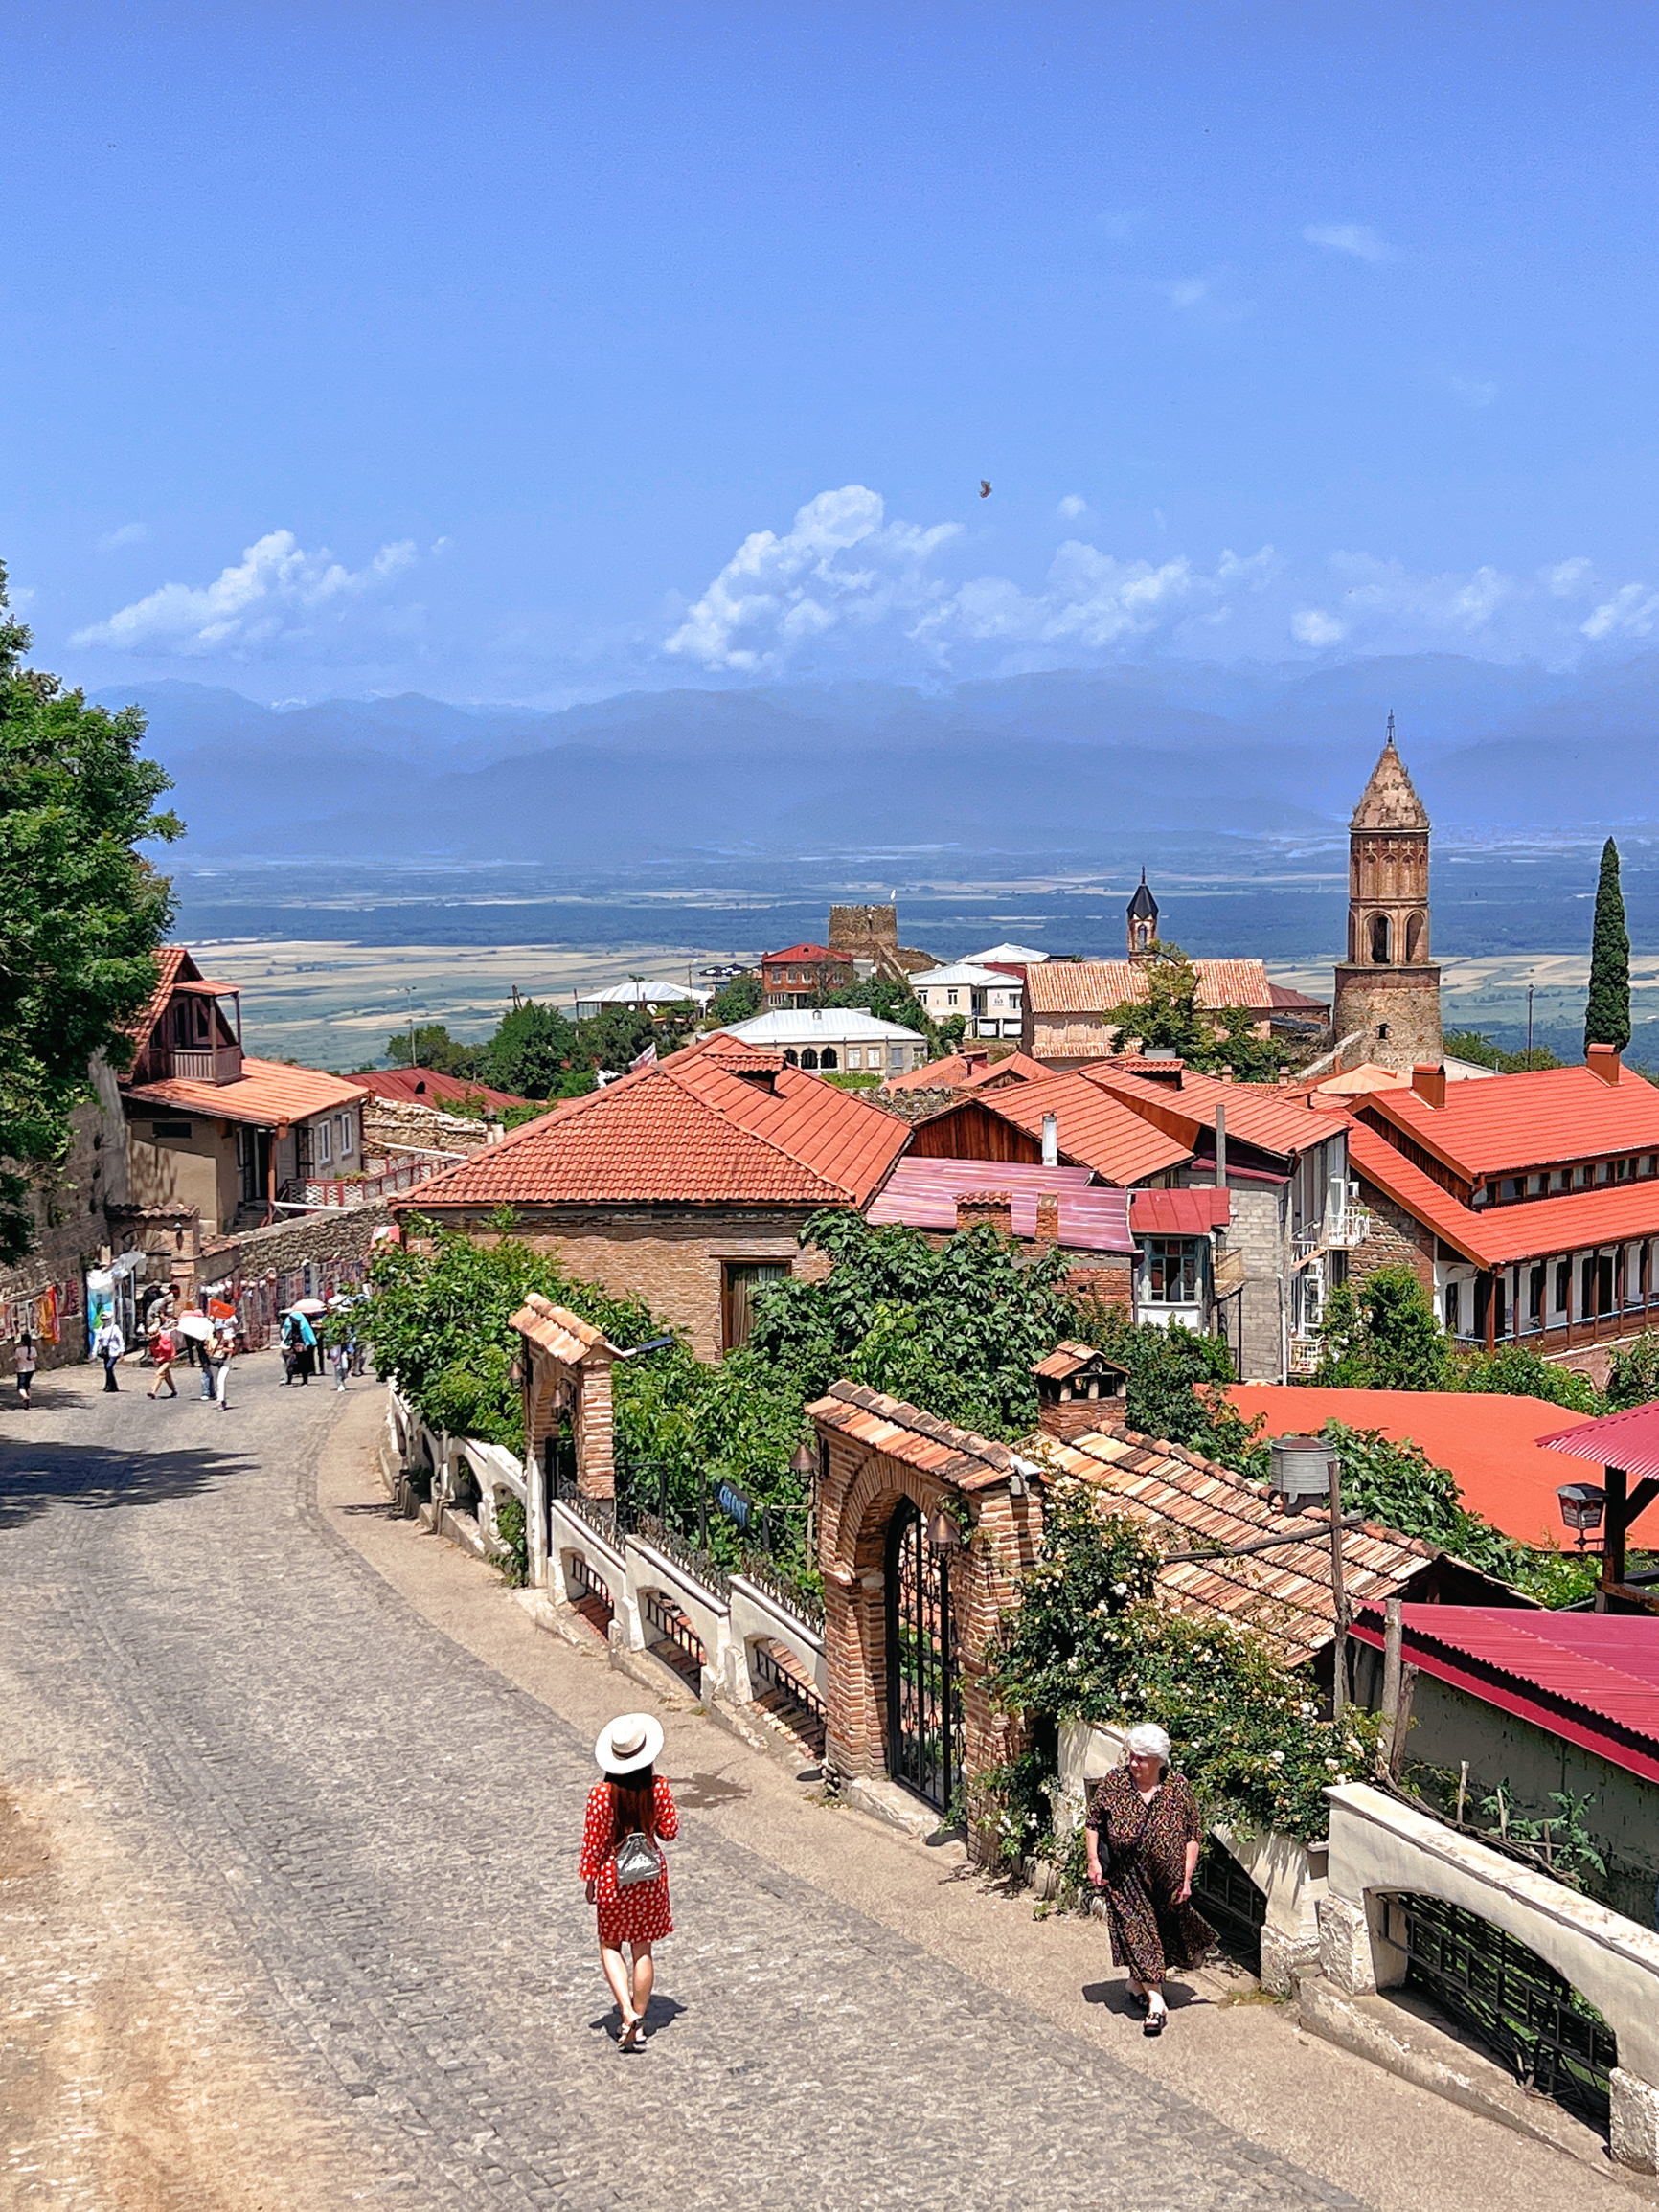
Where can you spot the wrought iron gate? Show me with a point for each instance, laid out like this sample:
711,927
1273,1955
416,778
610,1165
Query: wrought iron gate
923,1701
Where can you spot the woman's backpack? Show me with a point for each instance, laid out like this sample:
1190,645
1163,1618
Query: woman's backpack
637,1859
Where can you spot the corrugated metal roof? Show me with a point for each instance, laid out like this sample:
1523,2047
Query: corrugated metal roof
922,1194
1186,1502
962,972
1590,1678
807,953
1097,986
1094,1128
1192,1212
1520,1121
820,1026
919,1439
426,1087
690,1130
1629,1439
267,1093
1256,1114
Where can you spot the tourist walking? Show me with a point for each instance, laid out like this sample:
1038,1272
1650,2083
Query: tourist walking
299,1348
219,1352
1143,1832
108,1344
629,1816
340,1359
25,1360
162,1351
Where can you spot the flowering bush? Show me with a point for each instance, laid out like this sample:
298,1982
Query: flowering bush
1094,1640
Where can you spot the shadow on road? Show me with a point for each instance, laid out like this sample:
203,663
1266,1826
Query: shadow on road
35,1476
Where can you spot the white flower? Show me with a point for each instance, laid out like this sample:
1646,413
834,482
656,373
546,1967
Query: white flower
1277,1757
1120,1589
1332,1764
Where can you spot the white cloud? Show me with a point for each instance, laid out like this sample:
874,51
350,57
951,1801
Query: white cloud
1356,239
1184,292
1473,391
1567,578
1071,507
1630,610
1312,626
276,595
129,534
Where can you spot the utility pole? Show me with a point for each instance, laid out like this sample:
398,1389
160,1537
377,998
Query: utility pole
1338,1595
1529,1025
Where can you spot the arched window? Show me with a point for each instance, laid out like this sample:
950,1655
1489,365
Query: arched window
791,1056
1379,939
809,1057
1416,931
829,1057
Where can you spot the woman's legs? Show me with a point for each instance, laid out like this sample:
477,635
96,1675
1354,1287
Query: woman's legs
643,1979
616,1972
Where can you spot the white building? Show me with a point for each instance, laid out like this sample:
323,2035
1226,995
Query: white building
991,1001
1006,956
835,1040
650,992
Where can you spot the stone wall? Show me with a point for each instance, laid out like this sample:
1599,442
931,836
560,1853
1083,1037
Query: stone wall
1403,1001
71,1228
1396,1239
1258,1230
391,1121
334,1234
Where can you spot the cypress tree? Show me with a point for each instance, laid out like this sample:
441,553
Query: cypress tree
1608,1015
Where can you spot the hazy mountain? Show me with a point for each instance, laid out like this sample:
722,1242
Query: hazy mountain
1023,763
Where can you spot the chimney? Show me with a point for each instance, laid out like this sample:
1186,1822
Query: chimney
974,1061
1220,1147
1429,1084
1052,1140
1047,1218
1602,1060
995,1209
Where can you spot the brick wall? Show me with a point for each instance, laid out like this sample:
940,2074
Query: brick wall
1396,1239
71,1230
1258,1230
336,1233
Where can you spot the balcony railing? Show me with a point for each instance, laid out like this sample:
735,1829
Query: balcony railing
212,1064
1342,1232
385,1178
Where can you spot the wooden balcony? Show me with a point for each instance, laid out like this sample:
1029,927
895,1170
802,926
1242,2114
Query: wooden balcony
212,1063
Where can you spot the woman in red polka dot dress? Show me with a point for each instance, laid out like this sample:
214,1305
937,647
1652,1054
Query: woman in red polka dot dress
631,1801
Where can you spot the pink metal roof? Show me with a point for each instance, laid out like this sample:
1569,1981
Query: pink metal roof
1191,1212
922,1194
1629,1439
1591,1677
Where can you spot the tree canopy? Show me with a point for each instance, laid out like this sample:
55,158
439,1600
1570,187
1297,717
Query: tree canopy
1607,1010
1168,1019
81,913
536,1051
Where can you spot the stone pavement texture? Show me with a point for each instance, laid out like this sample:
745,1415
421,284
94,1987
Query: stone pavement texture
289,1916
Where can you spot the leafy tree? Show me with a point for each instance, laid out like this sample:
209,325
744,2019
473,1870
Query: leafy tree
1177,1390
1633,1375
80,913
740,1001
1519,1372
1475,1046
1168,1019
1607,1012
614,1038
432,1048
538,1052
1382,1336
888,1001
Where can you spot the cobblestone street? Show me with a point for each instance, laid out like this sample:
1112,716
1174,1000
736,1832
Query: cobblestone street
289,1916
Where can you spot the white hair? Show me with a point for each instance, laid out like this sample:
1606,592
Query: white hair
1148,1741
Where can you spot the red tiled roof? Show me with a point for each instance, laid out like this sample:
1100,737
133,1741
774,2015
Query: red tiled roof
956,1072
906,1432
1510,1123
1255,1113
1097,986
558,1331
690,1130
1283,1000
426,1087
1094,1129
1191,1212
922,1194
1494,1446
267,1093
1592,1679
1067,1358
1492,1236
806,953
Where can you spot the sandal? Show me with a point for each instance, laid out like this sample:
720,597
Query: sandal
629,2039
1153,2024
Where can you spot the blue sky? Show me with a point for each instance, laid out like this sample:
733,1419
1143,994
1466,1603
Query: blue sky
473,350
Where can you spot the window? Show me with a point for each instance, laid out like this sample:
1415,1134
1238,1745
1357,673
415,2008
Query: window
1379,939
324,1141
950,998
895,1055
1169,1272
740,1281
855,1055
1453,1307
169,1128
809,1056
829,1057
1536,1298
343,1129
1564,1284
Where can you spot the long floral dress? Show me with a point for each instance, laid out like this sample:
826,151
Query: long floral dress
639,1913
1143,1861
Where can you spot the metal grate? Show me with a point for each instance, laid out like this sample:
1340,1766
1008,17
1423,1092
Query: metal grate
924,1721
594,1596
676,1641
1527,2014
788,1698
1231,1901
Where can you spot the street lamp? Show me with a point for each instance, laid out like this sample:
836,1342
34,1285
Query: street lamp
803,1463
1582,1505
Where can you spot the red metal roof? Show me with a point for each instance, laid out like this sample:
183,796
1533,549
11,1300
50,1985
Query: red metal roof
1094,1129
922,1194
1629,1439
1510,1123
268,1094
426,1087
1256,1114
1492,1236
1192,1212
807,953
705,1126
1590,1678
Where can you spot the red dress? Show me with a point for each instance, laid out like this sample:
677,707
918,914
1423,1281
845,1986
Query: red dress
639,1913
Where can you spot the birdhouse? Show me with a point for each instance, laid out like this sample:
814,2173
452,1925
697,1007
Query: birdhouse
1077,1389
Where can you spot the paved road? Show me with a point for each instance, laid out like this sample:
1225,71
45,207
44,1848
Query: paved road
336,1859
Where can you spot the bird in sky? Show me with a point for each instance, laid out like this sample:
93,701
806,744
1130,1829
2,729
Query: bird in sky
984,487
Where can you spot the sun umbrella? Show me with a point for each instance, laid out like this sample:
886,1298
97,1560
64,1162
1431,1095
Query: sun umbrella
197,1325
310,1307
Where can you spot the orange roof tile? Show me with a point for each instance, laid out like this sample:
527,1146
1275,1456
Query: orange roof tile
1097,986
1094,1129
1492,1236
1255,1113
713,1125
560,1331
921,1440
1185,1502
955,1073
268,1093
1511,1122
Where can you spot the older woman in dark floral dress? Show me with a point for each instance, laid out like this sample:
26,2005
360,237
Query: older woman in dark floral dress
1148,1821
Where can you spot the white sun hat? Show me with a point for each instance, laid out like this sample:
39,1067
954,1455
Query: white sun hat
628,1743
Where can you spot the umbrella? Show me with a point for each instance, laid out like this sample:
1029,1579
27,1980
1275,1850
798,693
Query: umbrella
310,1307
341,1304
196,1325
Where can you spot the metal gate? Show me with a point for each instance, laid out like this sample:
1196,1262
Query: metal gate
924,1700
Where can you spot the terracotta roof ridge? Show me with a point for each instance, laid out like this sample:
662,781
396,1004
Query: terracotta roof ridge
904,1415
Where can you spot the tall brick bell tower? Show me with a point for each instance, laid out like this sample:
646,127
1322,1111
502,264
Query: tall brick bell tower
1387,988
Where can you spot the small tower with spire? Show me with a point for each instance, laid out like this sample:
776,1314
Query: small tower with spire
1387,988
1143,918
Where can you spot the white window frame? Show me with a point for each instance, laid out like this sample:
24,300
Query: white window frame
325,1137
342,1131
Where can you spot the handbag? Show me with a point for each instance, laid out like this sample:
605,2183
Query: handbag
637,1859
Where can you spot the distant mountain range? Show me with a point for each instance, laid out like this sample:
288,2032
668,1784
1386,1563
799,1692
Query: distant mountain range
1039,764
